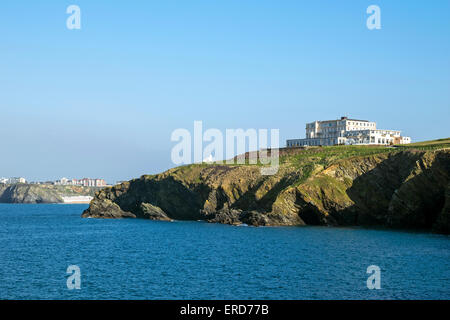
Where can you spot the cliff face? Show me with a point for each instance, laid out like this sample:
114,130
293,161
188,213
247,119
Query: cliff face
32,193
318,186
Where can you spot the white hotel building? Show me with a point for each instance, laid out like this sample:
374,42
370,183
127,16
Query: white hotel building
347,131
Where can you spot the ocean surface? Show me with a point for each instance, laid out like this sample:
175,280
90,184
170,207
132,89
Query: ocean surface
141,259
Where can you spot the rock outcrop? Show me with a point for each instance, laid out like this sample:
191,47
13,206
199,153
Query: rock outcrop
346,185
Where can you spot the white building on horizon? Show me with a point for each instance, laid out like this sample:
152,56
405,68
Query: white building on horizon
86,182
347,131
13,180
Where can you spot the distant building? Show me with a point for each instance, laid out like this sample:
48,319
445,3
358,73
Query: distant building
14,180
62,181
347,131
86,182
100,183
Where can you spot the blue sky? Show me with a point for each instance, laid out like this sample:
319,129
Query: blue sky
102,101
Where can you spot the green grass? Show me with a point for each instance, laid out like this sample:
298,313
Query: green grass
431,142
326,155
306,159
427,145
307,169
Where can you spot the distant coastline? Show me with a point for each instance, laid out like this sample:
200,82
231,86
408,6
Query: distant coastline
43,193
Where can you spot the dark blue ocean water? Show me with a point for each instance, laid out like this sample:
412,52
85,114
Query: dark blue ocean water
141,259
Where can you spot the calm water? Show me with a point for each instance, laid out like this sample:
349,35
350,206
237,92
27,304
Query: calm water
140,259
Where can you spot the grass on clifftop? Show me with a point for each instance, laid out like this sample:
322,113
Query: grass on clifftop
325,155
328,154
428,145
311,159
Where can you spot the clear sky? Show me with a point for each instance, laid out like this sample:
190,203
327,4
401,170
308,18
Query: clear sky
103,101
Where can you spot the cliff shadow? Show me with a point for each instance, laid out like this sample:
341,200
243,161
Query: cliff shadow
177,200
402,191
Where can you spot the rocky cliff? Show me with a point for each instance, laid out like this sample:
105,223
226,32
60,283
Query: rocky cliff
404,187
41,193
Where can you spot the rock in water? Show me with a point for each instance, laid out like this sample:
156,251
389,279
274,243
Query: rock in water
149,211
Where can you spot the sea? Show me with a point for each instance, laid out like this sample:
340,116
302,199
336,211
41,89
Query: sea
47,251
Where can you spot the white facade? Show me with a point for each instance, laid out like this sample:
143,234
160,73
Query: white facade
87,182
347,131
62,181
77,199
14,180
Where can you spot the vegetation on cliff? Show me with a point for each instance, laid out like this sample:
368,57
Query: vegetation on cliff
402,187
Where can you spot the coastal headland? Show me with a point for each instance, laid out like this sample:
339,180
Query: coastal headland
393,186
